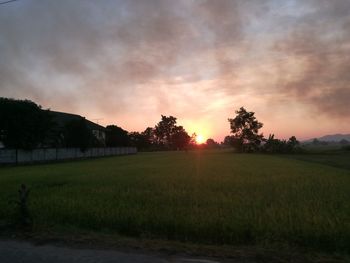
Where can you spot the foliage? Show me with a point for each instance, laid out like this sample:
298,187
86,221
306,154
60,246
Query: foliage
202,196
143,140
211,143
116,136
164,130
228,140
166,135
245,129
273,145
180,138
169,136
23,124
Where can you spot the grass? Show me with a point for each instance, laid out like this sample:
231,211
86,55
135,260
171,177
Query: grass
208,197
340,159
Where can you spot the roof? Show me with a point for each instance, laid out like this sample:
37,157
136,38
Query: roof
62,118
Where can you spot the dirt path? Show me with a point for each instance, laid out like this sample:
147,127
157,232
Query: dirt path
20,252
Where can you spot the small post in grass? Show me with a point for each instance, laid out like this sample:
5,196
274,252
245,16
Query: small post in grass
24,215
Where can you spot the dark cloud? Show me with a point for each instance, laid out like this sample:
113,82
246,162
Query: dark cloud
115,43
320,44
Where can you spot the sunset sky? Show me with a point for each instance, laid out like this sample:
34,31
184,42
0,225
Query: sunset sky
127,62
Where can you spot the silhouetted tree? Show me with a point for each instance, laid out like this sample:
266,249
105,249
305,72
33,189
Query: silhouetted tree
245,129
180,138
211,143
273,145
23,124
164,131
168,135
293,144
192,142
228,141
116,136
144,140
149,135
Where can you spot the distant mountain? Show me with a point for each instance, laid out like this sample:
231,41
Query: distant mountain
332,138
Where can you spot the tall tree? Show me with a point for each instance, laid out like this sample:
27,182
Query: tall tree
293,144
23,124
169,136
164,130
180,138
245,129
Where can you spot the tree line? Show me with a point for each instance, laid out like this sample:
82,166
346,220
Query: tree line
25,125
165,135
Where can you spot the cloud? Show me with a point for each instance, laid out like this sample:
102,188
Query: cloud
163,56
85,47
320,47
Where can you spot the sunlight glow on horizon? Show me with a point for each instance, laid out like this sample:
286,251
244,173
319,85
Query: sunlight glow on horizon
200,139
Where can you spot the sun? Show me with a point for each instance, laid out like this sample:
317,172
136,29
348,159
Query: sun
200,139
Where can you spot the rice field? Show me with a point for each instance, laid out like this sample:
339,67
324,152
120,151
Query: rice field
206,197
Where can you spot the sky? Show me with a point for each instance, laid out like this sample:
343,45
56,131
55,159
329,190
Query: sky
127,62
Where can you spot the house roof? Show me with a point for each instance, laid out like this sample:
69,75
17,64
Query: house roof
62,118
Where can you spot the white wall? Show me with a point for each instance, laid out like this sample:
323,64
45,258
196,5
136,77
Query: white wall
10,156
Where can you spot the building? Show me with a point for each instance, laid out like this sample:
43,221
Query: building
61,119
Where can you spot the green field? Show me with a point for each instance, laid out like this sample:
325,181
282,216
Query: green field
339,159
208,197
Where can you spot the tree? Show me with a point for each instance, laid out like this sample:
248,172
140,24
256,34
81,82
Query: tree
164,131
210,143
180,138
169,136
273,145
143,140
116,136
245,129
228,141
23,124
293,144
149,136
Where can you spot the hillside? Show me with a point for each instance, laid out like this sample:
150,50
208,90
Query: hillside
332,138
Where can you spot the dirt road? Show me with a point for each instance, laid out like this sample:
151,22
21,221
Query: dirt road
23,252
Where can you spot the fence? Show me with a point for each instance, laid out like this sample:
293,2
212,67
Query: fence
11,156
